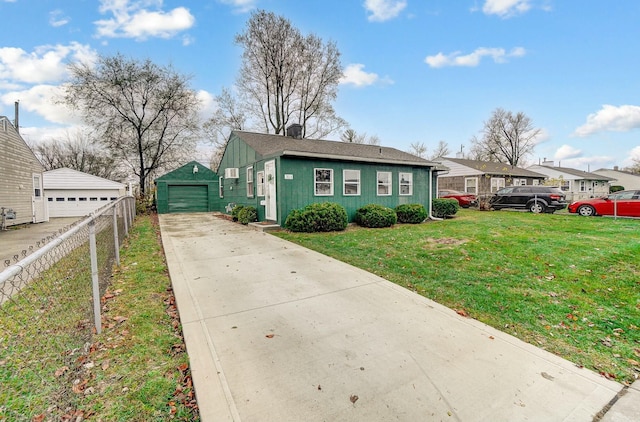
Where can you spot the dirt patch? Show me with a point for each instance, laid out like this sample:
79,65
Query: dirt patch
446,241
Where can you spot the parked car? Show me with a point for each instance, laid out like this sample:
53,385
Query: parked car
465,199
624,203
536,199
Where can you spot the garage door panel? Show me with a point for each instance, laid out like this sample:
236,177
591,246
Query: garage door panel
188,198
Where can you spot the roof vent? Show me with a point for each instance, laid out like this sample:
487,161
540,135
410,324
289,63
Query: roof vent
295,131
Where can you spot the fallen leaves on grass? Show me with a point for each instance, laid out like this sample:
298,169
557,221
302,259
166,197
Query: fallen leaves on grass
462,313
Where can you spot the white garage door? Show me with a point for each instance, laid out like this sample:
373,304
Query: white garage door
78,203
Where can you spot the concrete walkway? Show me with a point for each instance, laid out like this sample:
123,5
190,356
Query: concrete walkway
276,332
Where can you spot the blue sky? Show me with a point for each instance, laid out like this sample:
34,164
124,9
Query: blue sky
414,70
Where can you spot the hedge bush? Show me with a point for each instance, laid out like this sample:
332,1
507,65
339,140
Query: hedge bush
411,213
247,215
375,216
235,211
317,217
615,188
445,207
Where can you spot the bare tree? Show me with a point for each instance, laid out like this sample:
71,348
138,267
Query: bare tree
82,152
442,150
635,167
506,137
229,115
144,114
287,78
418,149
351,136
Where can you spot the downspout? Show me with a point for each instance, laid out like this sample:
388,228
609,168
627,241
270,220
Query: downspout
431,217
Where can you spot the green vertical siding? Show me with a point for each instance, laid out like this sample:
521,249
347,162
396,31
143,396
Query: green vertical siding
298,191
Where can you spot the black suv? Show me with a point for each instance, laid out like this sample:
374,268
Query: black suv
533,198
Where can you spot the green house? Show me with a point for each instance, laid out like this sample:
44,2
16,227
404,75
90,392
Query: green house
277,174
190,188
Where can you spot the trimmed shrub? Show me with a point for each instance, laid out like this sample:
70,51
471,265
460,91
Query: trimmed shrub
318,217
411,213
235,211
615,188
445,207
247,215
375,216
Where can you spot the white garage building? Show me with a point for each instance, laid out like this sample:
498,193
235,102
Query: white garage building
72,193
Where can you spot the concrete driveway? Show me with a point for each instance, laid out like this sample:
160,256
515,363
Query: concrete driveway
276,332
14,240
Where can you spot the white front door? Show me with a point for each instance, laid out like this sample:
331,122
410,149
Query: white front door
38,206
270,212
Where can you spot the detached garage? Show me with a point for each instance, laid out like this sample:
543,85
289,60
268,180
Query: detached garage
72,193
190,188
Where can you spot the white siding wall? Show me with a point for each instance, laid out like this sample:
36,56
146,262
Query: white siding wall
17,167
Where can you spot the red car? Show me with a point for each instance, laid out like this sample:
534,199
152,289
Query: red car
464,199
625,203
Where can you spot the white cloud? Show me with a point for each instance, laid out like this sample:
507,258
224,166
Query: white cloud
355,75
57,18
506,8
45,64
611,118
207,104
499,55
131,19
41,99
382,10
240,6
566,152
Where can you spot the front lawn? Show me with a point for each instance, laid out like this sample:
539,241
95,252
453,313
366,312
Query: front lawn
567,284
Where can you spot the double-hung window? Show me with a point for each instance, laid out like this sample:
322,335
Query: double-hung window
384,183
249,182
497,183
471,185
406,183
351,182
323,182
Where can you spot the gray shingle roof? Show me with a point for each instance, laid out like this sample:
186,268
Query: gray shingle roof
268,145
489,167
582,174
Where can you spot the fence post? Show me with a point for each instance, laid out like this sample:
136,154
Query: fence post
126,217
94,276
116,241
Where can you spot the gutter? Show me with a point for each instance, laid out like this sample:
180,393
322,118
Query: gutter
431,216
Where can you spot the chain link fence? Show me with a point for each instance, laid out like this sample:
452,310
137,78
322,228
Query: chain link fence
50,302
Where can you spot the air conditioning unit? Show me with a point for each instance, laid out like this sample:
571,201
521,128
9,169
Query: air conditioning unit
231,173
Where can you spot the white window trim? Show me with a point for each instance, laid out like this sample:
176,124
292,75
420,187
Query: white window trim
250,182
316,182
389,184
583,186
499,183
221,187
344,183
260,183
467,185
408,183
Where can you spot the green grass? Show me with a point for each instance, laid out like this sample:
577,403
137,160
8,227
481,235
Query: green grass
135,370
567,284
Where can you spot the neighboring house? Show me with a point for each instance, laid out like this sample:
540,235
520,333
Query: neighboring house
190,188
277,174
576,184
20,179
628,180
483,177
72,193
